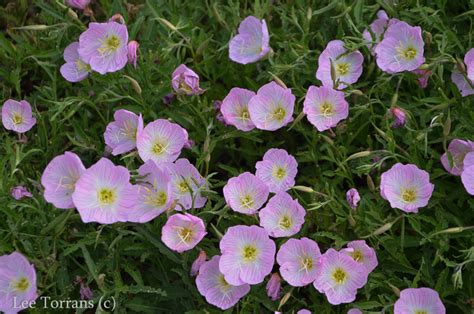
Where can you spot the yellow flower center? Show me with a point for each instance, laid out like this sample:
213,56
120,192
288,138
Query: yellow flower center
158,148
421,312
222,283
17,118
130,131
245,115
110,45
160,199
408,53
21,285
249,253
285,222
342,68
106,196
358,256
339,275
183,186
307,263
246,201
409,195
326,109
185,234
279,114
82,66
279,172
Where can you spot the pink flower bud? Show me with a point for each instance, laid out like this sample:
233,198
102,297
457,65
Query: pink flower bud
133,52
117,17
78,4
353,198
19,192
201,259
274,287
399,117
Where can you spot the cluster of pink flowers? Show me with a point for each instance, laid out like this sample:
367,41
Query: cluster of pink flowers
102,48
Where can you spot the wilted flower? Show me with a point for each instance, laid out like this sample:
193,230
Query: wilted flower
339,277
161,141
401,48
185,81
278,170
399,117
168,99
213,286
86,292
251,43
121,134
19,192
274,287
423,77
17,282
325,107
248,255
59,179
353,198
104,194
132,55
185,184
298,260
198,262
104,46
78,4
347,66
182,232
282,216
458,149
245,193
74,70
117,17
272,107
17,116
362,253
419,300
154,194
467,176
235,109
406,187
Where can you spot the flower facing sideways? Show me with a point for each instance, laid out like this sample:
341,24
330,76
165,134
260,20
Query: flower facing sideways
362,253
74,70
251,43
121,134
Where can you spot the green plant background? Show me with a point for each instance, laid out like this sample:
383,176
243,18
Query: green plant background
129,261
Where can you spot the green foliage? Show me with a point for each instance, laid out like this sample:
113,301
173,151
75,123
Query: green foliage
129,261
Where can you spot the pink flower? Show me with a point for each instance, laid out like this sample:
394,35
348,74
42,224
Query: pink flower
251,43
74,70
401,48
154,194
467,176
19,192
362,253
406,187
325,107
354,311
104,194
419,300
469,61
283,216
353,198
278,170
423,77
304,311
272,107
78,4
132,55
17,282
457,150
212,284
298,260
248,255
347,66
182,232
104,46
235,109
464,86
198,262
161,141
185,81
121,134
246,193
274,287
399,117
59,179
17,116
186,184
339,277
